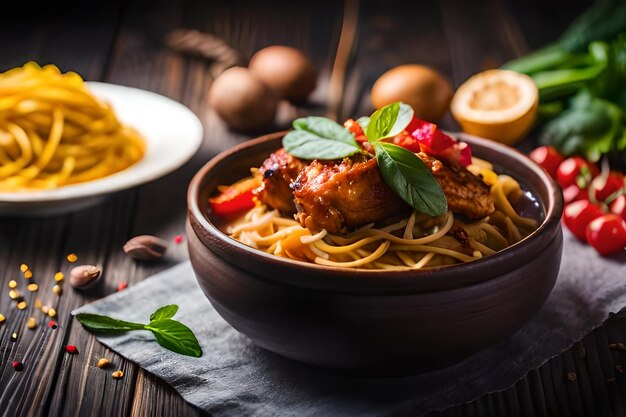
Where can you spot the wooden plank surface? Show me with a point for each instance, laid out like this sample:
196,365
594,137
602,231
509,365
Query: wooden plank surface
123,42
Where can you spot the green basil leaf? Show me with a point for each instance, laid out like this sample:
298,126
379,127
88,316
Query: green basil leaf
410,178
175,336
389,121
382,121
165,312
319,138
325,128
98,323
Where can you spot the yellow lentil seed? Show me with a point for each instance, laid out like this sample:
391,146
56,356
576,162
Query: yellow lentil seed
58,277
23,267
33,287
103,362
2,318
118,374
13,294
72,257
31,323
12,284
52,312
57,290
28,274
45,309
22,305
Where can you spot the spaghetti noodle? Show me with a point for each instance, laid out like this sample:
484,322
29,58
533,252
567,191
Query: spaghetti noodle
414,242
55,132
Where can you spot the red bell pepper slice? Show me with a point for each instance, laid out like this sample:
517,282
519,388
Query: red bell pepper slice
434,142
235,198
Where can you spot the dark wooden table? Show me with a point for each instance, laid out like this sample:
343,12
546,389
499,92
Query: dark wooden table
352,44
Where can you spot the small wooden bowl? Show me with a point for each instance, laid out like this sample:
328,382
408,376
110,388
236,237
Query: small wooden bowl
374,322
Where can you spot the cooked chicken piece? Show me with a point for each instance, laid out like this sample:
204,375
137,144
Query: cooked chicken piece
339,196
278,172
466,193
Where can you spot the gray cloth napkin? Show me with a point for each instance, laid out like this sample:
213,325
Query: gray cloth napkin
236,378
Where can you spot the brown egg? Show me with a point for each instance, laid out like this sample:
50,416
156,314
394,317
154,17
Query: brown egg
242,100
286,70
423,88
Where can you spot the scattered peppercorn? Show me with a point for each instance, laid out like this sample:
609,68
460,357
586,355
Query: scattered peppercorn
118,374
14,337
22,305
2,318
178,239
103,362
52,312
32,287
12,284
122,286
23,267
45,309
28,274
71,349
18,366
14,294
31,323
58,277
72,257
571,376
57,290
52,324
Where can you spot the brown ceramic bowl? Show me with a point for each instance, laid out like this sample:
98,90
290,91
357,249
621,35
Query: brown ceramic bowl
374,322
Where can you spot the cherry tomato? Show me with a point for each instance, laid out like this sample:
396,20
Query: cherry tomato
575,170
607,234
605,185
434,142
547,158
578,215
356,129
618,206
573,193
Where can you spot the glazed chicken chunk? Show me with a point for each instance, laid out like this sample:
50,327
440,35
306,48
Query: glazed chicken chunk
278,172
340,196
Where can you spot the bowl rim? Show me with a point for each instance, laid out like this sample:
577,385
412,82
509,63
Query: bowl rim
531,245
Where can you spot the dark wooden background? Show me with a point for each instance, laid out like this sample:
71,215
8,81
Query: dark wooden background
123,43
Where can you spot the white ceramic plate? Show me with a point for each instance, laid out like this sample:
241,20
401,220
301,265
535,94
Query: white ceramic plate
172,133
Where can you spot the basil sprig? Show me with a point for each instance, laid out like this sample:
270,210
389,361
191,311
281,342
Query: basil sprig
403,171
169,333
319,138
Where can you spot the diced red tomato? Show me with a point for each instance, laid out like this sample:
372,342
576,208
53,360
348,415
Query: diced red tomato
605,185
618,206
576,170
548,158
578,215
434,142
607,234
235,198
355,128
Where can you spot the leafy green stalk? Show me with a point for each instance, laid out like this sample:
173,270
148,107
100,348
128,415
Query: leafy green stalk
169,333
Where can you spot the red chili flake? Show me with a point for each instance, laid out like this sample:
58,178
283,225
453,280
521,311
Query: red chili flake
71,349
178,239
52,324
18,366
122,286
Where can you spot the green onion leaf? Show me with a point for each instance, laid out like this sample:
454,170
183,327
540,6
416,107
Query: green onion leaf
410,178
